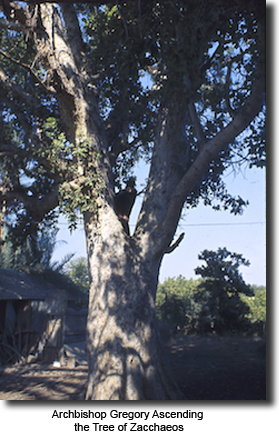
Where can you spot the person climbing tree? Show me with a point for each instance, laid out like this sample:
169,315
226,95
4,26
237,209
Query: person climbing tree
124,202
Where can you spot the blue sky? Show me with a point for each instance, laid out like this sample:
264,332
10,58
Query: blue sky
204,229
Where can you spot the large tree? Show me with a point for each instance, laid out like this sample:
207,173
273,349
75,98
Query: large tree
86,91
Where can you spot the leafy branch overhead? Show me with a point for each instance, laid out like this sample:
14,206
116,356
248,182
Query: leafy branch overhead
192,73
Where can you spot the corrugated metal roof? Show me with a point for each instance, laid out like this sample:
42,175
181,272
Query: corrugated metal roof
19,285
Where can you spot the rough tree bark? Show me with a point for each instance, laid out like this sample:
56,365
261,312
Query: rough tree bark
124,352
125,359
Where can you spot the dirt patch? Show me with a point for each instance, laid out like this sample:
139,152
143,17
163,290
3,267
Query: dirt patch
213,368
42,382
219,368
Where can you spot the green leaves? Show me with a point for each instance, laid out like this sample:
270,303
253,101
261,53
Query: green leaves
198,50
221,264
83,186
141,58
220,292
210,304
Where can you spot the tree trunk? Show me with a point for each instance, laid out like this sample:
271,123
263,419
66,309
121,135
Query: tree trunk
124,353
126,358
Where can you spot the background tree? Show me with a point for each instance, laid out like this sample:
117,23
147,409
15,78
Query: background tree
77,271
34,251
72,91
257,305
194,305
175,304
220,294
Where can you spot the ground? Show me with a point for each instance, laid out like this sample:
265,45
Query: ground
220,368
206,368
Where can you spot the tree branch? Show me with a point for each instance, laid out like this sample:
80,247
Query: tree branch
227,90
16,91
212,148
196,123
33,142
209,60
12,25
37,207
73,31
122,145
49,170
13,11
69,80
175,244
30,70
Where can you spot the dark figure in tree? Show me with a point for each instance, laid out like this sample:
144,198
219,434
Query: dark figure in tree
124,202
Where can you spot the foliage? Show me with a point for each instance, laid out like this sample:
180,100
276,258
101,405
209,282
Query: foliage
34,253
127,45
136,58
34,256
87,90
35,250
80,196
175,303
223,265
222,307
219,302
257,305
77,270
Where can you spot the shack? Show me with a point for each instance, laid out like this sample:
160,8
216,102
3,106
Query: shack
32,317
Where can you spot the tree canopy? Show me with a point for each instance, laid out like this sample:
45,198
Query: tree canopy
209,68
220,293
220,301
88,90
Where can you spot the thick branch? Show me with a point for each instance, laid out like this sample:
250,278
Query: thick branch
212,148
73,31
37,207
69,81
